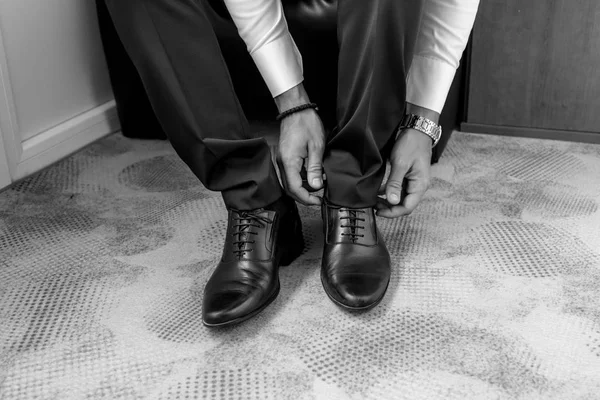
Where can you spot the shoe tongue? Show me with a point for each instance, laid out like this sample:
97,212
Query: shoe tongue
243,237
241,234
352,233
351,224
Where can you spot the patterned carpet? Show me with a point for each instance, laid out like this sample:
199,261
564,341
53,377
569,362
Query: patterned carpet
495,291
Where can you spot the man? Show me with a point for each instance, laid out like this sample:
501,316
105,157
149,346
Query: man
397,59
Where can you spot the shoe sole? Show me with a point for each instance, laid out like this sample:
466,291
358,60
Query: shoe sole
286,259
350,308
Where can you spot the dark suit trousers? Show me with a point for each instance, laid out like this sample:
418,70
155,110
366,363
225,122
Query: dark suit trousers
174,48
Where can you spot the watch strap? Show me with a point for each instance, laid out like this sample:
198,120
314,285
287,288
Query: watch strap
422,124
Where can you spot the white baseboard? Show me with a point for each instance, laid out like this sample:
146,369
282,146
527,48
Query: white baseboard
60,141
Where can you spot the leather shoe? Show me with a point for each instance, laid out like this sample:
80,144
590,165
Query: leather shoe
356,267
246,280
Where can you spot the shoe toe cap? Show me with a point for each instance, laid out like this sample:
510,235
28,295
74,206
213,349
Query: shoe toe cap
223,308
356,290
360,290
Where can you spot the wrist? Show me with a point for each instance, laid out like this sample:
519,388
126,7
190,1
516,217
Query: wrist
423,112
417,136
291,98
422,120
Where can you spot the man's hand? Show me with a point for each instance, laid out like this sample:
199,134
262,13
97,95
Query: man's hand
409,176
411,163
301,141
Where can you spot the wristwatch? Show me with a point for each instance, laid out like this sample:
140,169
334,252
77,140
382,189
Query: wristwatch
422,124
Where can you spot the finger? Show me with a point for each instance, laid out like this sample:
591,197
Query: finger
382,203
381,190
392,212
278,169
294,183
417,184
393,187
314,168
388,170
384,209
381,195
409,203
409,200
281,173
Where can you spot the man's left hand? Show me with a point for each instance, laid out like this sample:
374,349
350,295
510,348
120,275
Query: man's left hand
409,176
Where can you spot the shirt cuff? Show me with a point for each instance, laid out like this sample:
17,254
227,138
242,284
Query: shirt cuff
428,83
280,64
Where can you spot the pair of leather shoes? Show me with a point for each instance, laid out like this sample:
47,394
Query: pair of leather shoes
355,270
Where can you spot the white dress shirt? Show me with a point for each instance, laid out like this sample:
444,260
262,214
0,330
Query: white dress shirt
441,40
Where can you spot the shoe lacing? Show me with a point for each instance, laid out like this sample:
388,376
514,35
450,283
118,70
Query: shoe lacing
353,219
247,220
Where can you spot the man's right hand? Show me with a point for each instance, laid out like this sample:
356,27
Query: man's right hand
301,142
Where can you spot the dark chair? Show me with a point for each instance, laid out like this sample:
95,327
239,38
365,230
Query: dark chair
313,26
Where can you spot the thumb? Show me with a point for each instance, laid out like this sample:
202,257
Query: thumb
314,168
393,187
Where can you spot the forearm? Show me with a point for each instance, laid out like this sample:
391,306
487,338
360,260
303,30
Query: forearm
262,26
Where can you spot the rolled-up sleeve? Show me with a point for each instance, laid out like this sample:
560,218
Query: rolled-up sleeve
262,26
442,38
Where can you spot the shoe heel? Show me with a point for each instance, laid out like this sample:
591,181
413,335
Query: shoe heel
295,250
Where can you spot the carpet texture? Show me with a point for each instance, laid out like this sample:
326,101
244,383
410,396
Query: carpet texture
495,291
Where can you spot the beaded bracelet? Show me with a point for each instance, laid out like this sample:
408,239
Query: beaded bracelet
293,110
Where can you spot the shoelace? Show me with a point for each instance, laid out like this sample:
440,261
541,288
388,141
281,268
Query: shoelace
353,219
246,221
